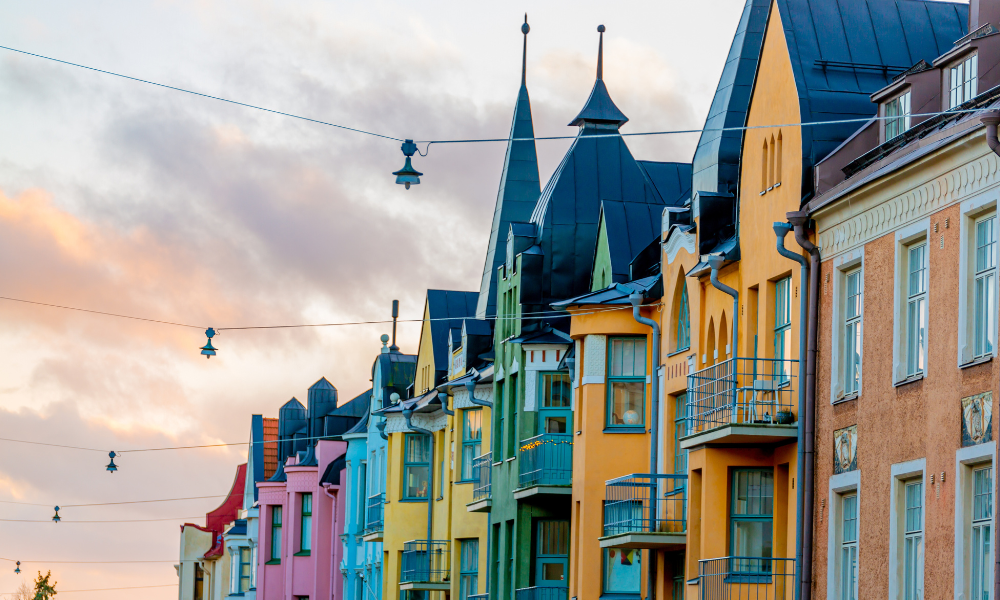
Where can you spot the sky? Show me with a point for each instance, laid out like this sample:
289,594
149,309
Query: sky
123,197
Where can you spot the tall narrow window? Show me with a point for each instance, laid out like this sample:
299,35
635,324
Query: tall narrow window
554,415
849,549
680,430
497,414
782,327
361,497
509,579
986,283
512,416
469,569
416,466
982,533
763,168
913,543
626,404
770,163
897,113
683,341
245,564
777,160
472,439
751,520
852,333
493,581
964,80
275,534
305,535
916,310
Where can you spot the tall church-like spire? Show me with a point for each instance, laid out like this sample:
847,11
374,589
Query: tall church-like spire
600,111
519,188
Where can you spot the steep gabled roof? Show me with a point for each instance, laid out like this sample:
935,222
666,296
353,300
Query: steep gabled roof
672,180
447,309
629,229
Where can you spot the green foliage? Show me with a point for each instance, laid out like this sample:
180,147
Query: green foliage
43,589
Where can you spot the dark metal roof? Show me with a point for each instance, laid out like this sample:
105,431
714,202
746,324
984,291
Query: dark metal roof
331,476
616,294
447,310
519,190
256,458
547,335
360,427
356,407
672,180
600,109
631,227
855,35
398,371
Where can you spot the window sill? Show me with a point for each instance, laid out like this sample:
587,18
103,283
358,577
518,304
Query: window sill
633,430
303,553
510,459
681,351
847,398
273,561
463,482
979,361
619,596
909,380
413,499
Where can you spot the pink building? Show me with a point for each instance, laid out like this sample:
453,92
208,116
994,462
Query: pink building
301,520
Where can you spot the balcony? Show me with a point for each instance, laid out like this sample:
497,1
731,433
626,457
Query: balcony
374,523
482,487
479,597
742,401
545,465
645,511
423,570
747,578
542,593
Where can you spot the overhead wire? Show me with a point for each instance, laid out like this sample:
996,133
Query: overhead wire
136,587
111,503
70,521
87,562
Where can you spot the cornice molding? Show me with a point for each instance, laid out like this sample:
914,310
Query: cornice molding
678,240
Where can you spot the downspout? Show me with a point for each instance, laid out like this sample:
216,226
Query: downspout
798,219
381,428
654,401
471,386
333,539
443,397
780,231
408,414
991,120
715,262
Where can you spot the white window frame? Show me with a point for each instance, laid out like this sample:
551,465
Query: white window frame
844,484
906,238
972,211
967,87
968,460
842,266
902,473
904,115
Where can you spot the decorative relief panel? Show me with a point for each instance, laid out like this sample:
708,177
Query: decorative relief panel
595,349
678,240
436,421
845,450
530,389
977,419
461,396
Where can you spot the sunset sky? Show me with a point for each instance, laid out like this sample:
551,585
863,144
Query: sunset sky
124,197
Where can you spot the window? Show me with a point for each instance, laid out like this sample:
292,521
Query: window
849,549
964,78
683,341
253,567
622,571
897,113
360,494
509,579
511,416
982,538
305,535
552,558
782,327
275,535
913,542
497,414
626,382
554,415
416,466
472,439
680,430
469,569
751,519
494,579
916,309
984,334
852,333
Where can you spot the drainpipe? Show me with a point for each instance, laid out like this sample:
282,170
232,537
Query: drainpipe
798,219
991,120
715,262
471,386
780,231
381,428
443,397
654,401
333,539
408,414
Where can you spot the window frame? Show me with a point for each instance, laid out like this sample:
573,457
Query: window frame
963,88
848,263
410,464
899,123
245,571
636,341
913,539
974,212
907,238
782,329
546,379
468,574
680,430
848,547
682,328
902,474
916,308
468,443
305,524
842,485
853,324
277,521
736,517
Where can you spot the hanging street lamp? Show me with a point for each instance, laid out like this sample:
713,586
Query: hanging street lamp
56,518
208,350
408,175
112,467
17,569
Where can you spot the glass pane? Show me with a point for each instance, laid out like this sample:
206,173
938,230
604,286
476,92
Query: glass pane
556,390
628,358
752,539
626,404
914,506
416,482
622,570
553,571
306,535
473,429
982,504
754,493
307,504
639,364
850,508
553,538
555,424
854,294
616,357
918,282
417,449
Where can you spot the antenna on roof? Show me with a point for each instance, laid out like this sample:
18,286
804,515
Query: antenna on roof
395,315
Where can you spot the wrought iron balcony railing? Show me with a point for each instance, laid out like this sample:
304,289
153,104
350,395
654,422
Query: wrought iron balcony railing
643,503
542,593
375,513
478,597
742,390
747,578
546,459
482,477
421,566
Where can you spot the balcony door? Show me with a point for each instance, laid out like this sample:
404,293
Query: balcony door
552,554
554,414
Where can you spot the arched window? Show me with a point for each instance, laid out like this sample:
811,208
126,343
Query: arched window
763,168
777,165
770,179
683,321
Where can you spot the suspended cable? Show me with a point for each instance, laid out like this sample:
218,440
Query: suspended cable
88,562
63,520
138,587
111,503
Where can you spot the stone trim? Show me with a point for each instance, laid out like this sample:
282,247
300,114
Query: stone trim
679,240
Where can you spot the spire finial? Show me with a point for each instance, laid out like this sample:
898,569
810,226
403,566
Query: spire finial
600,53
524,54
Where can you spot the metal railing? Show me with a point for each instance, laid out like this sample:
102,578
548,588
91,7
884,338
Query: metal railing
747,578
482,477
742,390
421,566
644,503
478,597
546,459
375,513
542,593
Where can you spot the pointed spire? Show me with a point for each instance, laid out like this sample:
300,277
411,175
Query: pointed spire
600,53
524,54
600,109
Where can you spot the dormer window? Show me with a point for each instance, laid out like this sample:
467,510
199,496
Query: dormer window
897,113
964,81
